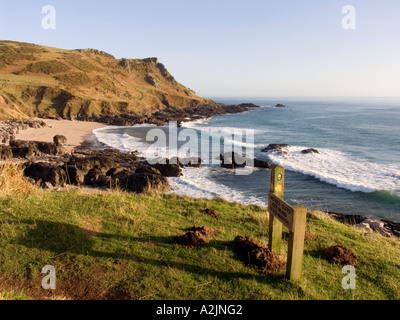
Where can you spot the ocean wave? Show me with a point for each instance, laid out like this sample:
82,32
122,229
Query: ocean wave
199,183
340,169
120,141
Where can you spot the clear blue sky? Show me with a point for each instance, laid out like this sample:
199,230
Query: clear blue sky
232,48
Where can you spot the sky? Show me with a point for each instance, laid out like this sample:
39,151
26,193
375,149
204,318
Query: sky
232,48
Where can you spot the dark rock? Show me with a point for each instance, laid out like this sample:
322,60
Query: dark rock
143,169
169,170
347,219
262,164
248,105
171,113
92,176
6,153
186,162
59,140
307,151
84,164
24,149
103,181
114,171
233,160
139,183
275,147
279,105
394,227
50,148
46,172
29,149
143,183
75,176
241,162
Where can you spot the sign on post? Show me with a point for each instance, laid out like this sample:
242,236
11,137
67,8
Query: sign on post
293,218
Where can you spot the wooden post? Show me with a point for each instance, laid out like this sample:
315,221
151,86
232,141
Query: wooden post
275,226
296,244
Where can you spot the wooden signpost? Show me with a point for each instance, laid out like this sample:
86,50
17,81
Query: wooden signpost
293,218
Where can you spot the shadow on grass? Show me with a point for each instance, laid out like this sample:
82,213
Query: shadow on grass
60,238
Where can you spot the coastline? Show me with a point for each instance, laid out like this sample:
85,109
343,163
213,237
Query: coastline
80,135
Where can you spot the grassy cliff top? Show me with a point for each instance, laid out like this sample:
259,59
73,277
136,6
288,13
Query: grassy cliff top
49,82
116,245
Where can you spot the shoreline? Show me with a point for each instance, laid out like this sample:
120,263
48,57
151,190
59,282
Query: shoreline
79,135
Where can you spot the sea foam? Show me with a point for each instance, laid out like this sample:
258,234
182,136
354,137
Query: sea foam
340,169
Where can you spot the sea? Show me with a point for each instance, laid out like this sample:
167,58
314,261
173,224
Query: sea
357,169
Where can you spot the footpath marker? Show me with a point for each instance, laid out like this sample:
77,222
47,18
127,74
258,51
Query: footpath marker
293,218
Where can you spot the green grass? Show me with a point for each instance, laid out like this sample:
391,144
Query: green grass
47,67
118,245
73,79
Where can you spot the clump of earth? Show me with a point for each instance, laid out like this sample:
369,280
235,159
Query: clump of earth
340,255
196,236
211,212
257,255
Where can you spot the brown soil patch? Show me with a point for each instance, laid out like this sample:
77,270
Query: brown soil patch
118,294
212,213
191,239
257,255
71,285
205,231
340,255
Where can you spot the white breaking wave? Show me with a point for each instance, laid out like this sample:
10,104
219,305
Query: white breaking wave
122,142
340,169
214,131
195,182
198,183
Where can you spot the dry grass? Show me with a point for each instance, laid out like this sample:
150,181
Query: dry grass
13,182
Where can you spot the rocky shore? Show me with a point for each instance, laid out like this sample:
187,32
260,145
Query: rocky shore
171,113
51,165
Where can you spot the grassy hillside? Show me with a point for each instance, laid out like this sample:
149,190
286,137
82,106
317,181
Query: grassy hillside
119,246
48,82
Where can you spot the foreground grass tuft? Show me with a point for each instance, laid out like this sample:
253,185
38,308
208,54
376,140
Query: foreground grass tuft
13,182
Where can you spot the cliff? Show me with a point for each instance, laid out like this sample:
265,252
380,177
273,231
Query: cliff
38,81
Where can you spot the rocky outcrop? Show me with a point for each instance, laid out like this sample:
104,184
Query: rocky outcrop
96,168
234,160
139,183
46,173
383,227
169,170
59,140
30,149
275,147
308,151
11,127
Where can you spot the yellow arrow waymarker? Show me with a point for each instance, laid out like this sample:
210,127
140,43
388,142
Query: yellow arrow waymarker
279,188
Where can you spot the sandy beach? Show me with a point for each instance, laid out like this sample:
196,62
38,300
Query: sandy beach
75,131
